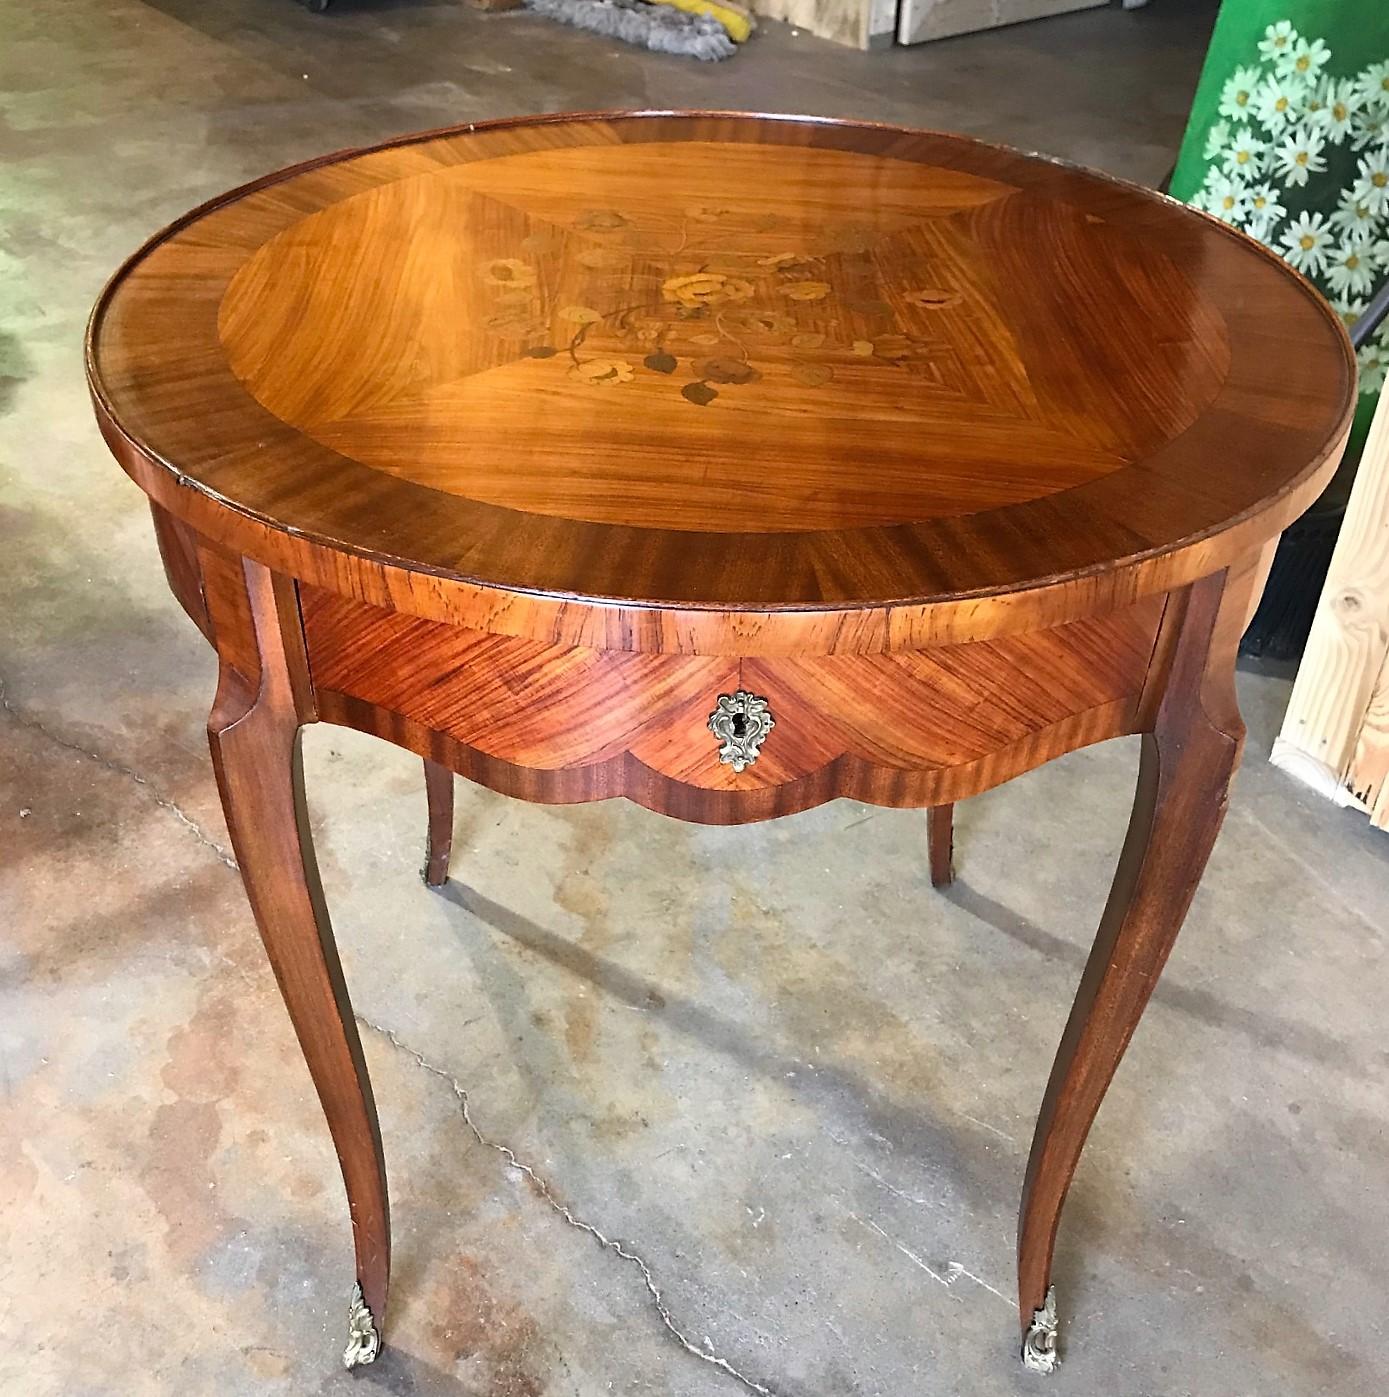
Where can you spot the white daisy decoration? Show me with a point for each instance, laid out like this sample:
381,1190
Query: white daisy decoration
1216,139
1300,155
1353,219
1371,187
1373,85
1265,207
1305,58
1307,241
1226,198
1237,96
1314,106
1278,101
1278,40
1340,101
1349,271
1369,127
1374,364
1244,156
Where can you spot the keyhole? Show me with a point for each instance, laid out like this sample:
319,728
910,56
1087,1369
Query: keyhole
740,725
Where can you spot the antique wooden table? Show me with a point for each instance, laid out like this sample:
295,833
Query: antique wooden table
729,464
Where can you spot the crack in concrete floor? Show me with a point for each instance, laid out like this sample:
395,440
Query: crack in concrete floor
543,1187
706,1353
27,720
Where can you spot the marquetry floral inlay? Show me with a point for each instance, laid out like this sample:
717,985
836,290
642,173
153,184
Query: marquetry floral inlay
712,322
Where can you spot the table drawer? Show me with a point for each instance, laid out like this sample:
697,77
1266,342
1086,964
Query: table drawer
908,728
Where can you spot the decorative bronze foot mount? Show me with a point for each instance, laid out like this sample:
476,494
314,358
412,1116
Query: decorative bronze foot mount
731,465
363,1339
1039,1353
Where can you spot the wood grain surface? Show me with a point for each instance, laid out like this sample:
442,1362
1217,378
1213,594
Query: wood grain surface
719,362
584,724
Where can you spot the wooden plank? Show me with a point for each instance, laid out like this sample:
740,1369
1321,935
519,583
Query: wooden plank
1369,768
920,20
1336,732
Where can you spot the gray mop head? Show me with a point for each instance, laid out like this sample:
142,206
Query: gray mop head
660,28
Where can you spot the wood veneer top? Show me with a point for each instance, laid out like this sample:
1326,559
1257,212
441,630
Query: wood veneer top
722,361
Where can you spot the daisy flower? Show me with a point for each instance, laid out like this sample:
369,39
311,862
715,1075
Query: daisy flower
1304,58
1300,155
1314,105
1374,364
1353,219
1369,127
1244,156
1340,101
1216,138
1278,101
1349,271
1278,40
1373,85
1307,241
1226,198
1372,185
1265,206
1237,96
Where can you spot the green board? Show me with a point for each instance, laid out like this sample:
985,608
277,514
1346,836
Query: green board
1289,141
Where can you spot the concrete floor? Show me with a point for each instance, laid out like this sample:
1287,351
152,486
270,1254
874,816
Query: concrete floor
796,1084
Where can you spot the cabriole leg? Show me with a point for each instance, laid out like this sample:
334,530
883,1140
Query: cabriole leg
1184,777
255,737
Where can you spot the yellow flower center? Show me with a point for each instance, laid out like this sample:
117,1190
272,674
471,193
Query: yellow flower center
1384,83
1303,63
1281,105
1301,157
1351,262
1259,201
1308,242
1339,111
1241,157
1379,179
1228,202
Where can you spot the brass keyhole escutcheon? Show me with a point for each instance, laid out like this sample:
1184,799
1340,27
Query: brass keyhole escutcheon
741,722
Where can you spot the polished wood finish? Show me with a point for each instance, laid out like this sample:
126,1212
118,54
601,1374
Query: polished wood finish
438,785
254,731
521,444
1188,760
561,723
1055,362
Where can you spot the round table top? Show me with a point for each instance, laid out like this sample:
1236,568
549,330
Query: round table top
721,361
